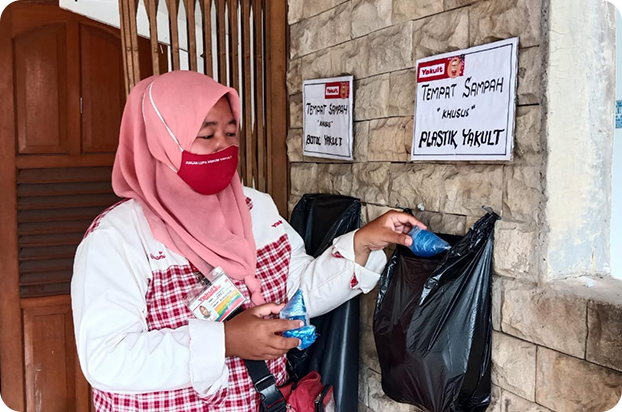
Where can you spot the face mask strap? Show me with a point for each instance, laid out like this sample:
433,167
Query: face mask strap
170,132
145,121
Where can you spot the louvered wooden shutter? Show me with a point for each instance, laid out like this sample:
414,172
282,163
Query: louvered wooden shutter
54,209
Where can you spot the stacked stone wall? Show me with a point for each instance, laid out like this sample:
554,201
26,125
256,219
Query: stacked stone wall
553,349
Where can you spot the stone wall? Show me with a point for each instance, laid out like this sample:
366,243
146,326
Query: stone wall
554,349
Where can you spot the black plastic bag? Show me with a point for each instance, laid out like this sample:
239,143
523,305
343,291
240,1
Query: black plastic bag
433,326
319,218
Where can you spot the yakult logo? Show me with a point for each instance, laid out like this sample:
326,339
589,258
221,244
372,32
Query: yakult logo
432,71
444,68
337,90
332,91
158,257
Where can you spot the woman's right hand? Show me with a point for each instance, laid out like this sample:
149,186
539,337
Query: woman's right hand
250,336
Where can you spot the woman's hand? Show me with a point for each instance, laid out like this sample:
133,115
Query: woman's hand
390,228
250,336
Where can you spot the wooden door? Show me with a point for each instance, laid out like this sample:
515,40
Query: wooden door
54,381
61,98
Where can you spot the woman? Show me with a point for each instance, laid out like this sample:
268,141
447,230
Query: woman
185,211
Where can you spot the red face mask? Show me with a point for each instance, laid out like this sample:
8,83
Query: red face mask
209,174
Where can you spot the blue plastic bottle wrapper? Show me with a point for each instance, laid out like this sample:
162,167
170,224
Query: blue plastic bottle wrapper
295,309
426,244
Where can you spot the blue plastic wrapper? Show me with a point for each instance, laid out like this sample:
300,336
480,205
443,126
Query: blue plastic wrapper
426,244
295,310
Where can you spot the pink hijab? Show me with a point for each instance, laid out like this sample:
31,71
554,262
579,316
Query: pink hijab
209,230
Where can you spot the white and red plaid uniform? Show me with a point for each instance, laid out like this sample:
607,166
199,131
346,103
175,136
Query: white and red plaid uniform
125,281
166,309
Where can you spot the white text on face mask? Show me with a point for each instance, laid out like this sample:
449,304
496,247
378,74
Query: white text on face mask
206,162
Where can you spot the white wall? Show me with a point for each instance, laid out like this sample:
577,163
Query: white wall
580,92
616,202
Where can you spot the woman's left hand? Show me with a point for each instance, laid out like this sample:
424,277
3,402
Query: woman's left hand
390,228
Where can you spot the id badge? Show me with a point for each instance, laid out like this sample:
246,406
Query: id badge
215,297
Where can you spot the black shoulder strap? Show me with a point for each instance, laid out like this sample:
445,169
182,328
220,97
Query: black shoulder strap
272,399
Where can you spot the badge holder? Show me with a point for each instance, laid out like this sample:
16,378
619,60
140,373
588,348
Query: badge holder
215,297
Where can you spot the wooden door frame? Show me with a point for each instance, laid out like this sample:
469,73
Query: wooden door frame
277,110
11,329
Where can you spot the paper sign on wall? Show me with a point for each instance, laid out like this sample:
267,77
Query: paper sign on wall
466,104
327,119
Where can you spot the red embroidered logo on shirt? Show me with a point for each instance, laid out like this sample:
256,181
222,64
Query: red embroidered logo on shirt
336,253
160,256
278,223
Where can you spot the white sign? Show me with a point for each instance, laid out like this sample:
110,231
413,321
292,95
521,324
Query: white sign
327,120
466,104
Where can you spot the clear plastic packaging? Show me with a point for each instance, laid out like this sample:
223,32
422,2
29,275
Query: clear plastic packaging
426,244
295,309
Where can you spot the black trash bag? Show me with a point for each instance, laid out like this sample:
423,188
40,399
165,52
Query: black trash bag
319,218
433,325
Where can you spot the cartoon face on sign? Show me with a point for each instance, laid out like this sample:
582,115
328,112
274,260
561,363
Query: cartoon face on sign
345,90
455,67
